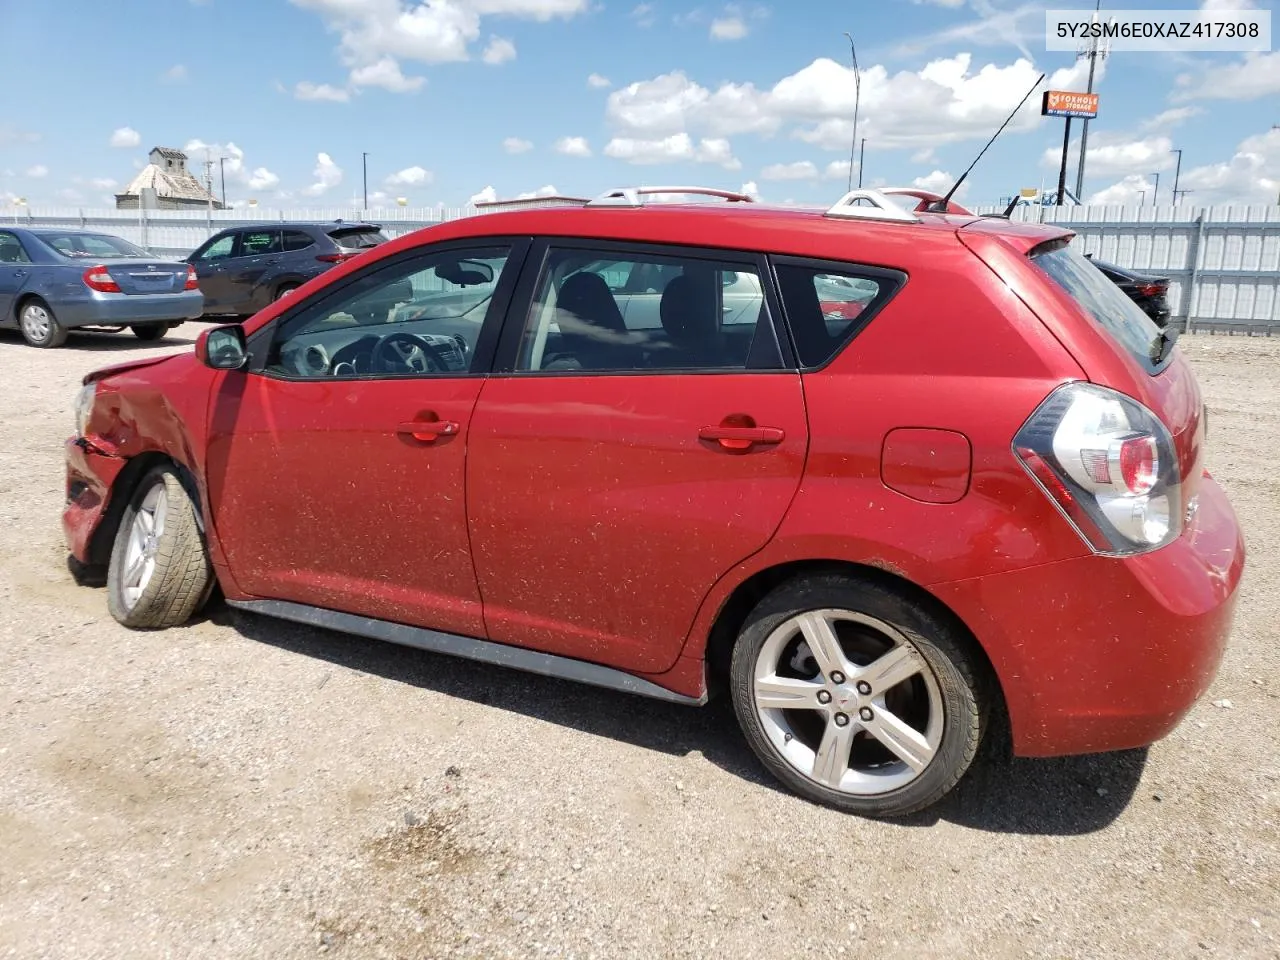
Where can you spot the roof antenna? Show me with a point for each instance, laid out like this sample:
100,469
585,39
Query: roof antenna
940,206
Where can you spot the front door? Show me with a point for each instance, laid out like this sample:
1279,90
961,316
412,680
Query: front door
211,261
336,464
15,270
616,472
259,253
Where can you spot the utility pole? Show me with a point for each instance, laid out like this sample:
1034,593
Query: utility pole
857,98
1093,52
364,160
1177,172
1155,194
862,155
1062,173
208,178
222,171
1183,192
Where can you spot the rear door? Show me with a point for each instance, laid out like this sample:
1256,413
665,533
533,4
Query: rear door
15,270
613,474
258,254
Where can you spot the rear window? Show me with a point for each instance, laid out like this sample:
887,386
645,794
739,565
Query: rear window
1101,299
357,238
95,245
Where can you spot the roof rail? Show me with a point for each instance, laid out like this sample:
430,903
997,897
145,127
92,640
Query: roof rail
870,205
632,196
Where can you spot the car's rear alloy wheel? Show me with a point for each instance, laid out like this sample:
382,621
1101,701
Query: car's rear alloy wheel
150,331
857,697
159,572
39,326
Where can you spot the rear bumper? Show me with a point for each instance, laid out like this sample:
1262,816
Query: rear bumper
120,309
90,476
1097,653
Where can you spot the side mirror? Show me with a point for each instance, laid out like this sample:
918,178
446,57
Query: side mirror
223,348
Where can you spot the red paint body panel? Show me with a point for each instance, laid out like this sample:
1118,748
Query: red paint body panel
599,519
932,466
318,500
1105,654
594,522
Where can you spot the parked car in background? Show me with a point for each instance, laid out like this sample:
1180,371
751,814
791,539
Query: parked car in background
882,477
53,280
1147,291
242,269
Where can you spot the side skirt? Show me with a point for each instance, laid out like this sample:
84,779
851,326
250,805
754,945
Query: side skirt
500,654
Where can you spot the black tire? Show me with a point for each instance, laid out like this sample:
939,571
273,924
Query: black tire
39,325
150,331
285,289
943,650
181,576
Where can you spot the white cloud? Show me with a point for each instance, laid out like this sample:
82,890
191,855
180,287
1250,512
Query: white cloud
643,14
728,28
751,189
1226,6
175,74
1252,175
1168,119
573,147
800,170
499,50
837,170
410,177
598,82
1128,191
233,166
38,171
306,90
548,191
327,173
103,183
1019,27
10,134
125,137
1256,75
947,100
438,31
487,195
1112,154
924,155
385,73
677,147
261,179
940,181
516,145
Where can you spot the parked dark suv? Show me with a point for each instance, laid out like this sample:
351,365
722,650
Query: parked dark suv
242,269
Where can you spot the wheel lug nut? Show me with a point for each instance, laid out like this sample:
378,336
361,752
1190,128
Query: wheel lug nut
865,713
841,720
837,677
824,696
864,688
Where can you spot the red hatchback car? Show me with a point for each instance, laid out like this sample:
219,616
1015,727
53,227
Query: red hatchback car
882,474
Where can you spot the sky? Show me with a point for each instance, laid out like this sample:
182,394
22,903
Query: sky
459,100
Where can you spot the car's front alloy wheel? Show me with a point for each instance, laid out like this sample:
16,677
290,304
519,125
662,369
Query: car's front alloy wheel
159,572
857,697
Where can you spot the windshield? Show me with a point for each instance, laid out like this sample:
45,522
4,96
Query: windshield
95,246
1101,299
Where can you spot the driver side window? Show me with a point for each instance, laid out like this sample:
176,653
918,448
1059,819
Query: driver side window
419,317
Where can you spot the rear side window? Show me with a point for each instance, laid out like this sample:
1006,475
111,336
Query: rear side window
827,306
296,240
357,238
1101,299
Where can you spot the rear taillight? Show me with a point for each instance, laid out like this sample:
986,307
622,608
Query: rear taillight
1109,464
193,281
97,278
334,257
1153,289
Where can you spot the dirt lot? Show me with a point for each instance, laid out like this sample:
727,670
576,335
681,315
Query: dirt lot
249,788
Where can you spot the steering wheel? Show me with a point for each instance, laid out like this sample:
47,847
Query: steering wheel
406,353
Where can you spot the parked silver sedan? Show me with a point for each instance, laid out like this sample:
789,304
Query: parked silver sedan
55,280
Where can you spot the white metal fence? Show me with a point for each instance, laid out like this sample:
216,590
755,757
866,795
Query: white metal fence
1223,262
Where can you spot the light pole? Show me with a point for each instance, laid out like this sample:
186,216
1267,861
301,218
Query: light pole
222,172
1094,52
364,162
1155,194
862,155
1177,171
857,98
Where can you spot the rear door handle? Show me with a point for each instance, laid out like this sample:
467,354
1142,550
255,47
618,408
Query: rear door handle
741,438
428,431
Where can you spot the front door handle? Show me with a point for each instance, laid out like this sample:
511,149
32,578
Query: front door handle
735,437
428,431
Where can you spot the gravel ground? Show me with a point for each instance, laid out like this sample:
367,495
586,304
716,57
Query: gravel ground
249,788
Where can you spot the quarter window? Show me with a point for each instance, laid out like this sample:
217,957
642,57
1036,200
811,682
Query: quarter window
826,308
416,318
597,312
296,240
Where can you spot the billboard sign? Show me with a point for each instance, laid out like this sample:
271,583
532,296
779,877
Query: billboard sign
1064,103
